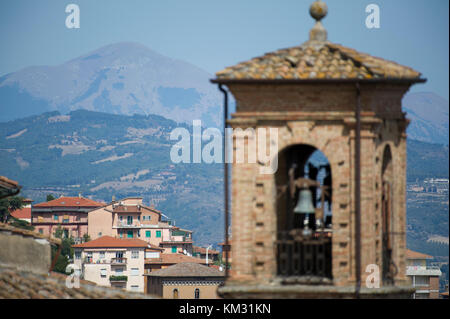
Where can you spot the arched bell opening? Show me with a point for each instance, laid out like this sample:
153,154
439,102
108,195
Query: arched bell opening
387,176
304,215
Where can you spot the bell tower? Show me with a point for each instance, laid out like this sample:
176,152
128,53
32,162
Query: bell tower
333,213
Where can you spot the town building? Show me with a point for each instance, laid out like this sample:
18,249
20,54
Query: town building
185,281
317,97
424,278
69,213
130,218
206,254
25,212
113,262
29,275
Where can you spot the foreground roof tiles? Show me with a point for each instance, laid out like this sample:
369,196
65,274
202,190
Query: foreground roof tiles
16,284
70,202
112,242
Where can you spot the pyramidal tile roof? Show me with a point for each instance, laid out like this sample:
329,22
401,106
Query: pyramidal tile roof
411,254
187,270
70,202
112,242
317,59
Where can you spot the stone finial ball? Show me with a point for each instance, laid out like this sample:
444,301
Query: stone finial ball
318,10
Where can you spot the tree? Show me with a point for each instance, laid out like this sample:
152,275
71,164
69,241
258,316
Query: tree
50,197
58,232
86,238
65,255
9,204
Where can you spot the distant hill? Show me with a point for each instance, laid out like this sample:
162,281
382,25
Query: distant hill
426,160
102,155
122,78
429,117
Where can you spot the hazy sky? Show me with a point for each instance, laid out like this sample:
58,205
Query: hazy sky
213,34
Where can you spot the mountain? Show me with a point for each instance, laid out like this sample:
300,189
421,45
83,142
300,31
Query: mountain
102,155
428,113
123,78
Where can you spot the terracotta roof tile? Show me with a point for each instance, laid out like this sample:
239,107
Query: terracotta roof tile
24,212
108,241
202,250
329,61
70,202
187,270
26,285
410,254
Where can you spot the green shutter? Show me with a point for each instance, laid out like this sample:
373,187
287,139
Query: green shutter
158,233
148,233
174,249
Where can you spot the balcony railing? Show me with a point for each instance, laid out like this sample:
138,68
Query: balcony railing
125,224
118,261
118,278
304,258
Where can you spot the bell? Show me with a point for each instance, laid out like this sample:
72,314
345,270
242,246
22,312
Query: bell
305,202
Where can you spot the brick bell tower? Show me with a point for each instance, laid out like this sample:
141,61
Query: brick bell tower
309,230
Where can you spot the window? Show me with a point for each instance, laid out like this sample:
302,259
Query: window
120,218
100,234
139,218
129,220
135,254
103,272
130,234
174,249
134,272
119,271
175,294
135,288
77,254
151,254
101,255
148,233
197,293
55,217
41,231
158,233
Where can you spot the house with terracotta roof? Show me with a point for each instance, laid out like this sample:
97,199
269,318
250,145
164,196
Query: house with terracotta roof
130,218
424,278
69,213
114,262
25,212
185,281
29,275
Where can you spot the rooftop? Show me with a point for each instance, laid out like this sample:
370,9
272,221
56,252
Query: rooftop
202,250
187,270
27,285
112,242
317,59
410,254
24,212
70,202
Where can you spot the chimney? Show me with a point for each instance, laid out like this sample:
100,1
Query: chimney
79,195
